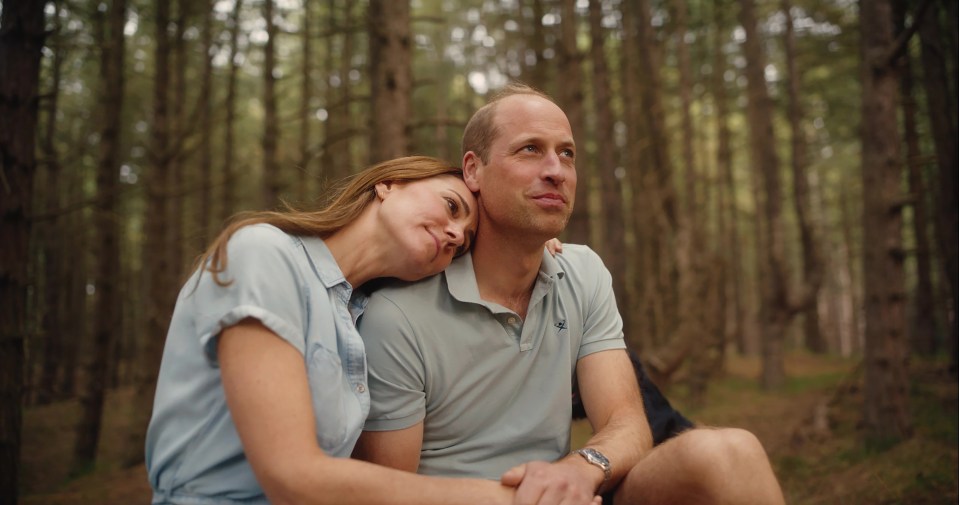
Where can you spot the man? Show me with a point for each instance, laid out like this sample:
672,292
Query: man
471,370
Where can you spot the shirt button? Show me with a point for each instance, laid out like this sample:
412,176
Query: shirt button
361,388
511,320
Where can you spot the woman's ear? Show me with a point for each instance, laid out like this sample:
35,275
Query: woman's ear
383,188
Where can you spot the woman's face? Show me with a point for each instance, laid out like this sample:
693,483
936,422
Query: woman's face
431,221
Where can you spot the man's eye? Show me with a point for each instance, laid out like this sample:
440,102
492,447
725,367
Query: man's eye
569,153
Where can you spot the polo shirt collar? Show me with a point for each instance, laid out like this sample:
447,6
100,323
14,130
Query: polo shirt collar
461,278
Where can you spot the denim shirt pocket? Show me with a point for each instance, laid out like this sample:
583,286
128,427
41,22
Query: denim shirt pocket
339,417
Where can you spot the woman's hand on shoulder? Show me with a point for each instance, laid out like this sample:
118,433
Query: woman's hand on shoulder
554,246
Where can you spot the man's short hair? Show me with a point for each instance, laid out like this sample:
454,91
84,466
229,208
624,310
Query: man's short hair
480,131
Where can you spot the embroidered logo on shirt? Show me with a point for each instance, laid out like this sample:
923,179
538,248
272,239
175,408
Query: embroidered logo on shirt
561,325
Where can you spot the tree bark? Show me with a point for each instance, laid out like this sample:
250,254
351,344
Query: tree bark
51,325
637,315
571,98
306,97
942,110
21,39
611,174
205,212
923,324
272,178
727,189
886,405
392,77
228,184
812,268
107,230
157,261
774,305
537,70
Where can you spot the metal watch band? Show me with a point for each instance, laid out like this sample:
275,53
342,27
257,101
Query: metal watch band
597,458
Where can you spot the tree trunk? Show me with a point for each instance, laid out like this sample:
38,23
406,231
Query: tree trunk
51,325
659,295
774,308
611,174
886,405
228,183
157,261
392,76
686,103
942,110
306,97
21,38
537,70
811,259
107,228
272,178
571,97
205,211
724,162
636,315
923,324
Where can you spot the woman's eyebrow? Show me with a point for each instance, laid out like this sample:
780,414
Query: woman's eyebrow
462,201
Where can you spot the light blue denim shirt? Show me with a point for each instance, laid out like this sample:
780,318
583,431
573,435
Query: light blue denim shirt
294,287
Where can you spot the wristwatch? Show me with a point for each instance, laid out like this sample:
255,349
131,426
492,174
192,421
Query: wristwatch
596,458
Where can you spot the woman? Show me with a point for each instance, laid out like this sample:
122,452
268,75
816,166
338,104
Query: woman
262,389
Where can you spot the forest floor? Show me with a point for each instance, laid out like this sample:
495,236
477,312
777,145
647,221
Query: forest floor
810,427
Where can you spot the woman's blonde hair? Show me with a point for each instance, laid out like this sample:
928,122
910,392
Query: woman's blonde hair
344,204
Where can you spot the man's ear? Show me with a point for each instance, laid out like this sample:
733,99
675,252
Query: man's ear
471,165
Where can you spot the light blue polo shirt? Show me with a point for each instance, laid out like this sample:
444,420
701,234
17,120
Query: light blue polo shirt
294,287
492,390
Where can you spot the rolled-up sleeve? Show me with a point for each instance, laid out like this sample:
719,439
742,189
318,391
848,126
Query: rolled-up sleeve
264,283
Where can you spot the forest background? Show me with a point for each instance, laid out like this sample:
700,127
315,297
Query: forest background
772,184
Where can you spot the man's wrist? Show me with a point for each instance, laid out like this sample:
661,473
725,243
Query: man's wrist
597,460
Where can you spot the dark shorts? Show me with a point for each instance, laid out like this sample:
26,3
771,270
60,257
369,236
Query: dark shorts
608,497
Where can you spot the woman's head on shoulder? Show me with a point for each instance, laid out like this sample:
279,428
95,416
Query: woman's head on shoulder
422,203
429,220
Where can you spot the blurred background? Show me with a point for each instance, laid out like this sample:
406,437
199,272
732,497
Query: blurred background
772,184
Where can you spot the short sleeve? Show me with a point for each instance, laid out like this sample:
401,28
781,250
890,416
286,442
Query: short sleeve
264,283
603,325
397,372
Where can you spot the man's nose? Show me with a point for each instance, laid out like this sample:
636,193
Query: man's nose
554,170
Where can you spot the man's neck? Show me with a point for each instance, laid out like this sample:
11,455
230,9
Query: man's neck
506,269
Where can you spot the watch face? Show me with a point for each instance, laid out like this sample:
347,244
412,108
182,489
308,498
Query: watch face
595,457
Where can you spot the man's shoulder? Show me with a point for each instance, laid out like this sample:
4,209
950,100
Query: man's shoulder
401,293
579,259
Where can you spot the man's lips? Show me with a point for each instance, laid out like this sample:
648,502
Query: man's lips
550,199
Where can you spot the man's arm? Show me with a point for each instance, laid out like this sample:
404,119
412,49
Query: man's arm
615,411
398,449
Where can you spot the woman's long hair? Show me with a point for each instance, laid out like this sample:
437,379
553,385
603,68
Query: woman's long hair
344,204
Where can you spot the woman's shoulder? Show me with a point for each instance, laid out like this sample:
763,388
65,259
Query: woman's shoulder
262,236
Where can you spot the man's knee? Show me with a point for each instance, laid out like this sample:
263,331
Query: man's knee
722,452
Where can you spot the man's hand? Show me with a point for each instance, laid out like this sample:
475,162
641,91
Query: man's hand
543,483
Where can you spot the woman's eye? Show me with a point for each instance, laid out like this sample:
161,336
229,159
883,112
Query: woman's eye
453,206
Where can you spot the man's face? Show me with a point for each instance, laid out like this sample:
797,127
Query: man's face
529,183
